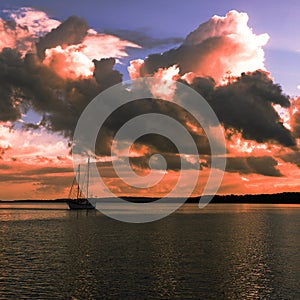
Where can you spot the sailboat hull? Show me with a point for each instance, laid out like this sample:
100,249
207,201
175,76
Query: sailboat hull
80,204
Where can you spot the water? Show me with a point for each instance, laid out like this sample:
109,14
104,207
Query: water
220,252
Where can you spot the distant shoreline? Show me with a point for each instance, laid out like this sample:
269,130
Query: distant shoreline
281,198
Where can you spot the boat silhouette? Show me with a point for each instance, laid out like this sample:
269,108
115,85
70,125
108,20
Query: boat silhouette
77,199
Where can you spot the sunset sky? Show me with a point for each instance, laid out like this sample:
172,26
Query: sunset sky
242,56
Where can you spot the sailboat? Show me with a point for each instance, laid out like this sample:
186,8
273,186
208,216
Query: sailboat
76,199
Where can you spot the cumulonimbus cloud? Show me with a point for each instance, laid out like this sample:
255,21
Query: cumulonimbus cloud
220,48
223,59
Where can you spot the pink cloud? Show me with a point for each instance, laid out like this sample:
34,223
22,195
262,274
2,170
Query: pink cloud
38,23
29,25
221,48
75,61
134,68
33,164
30,146
240,50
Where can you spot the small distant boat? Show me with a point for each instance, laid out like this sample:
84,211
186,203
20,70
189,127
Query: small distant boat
80,201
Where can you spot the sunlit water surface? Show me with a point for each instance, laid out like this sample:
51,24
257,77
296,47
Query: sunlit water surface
220,252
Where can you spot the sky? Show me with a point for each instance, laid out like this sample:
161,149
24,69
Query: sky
242,56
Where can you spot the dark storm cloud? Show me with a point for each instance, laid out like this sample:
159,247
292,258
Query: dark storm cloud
48,170
142,162
293,158
104,73
75,96
158,144
187,57
70,32
173,163
246,106
27,83
144,106
264,165
143,39
10,64
204,86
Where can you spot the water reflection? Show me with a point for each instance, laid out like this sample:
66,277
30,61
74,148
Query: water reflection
32,211
248,265
165,269
219,253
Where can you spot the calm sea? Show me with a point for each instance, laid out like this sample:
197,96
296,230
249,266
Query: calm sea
220,252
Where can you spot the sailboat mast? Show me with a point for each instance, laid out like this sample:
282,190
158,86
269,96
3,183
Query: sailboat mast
78,188
88,178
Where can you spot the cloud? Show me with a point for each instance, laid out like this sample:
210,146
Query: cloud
155,142
24,27
246,108
30,181
134,69
44,85
104,73
10,64
221,47
36,147
167,90
246,105
14,36
292,157
295,120
258,184
49,170
70,49
35,21
142,38
71,32
3,150
32,160
263,165
26,82
225,50
73,64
